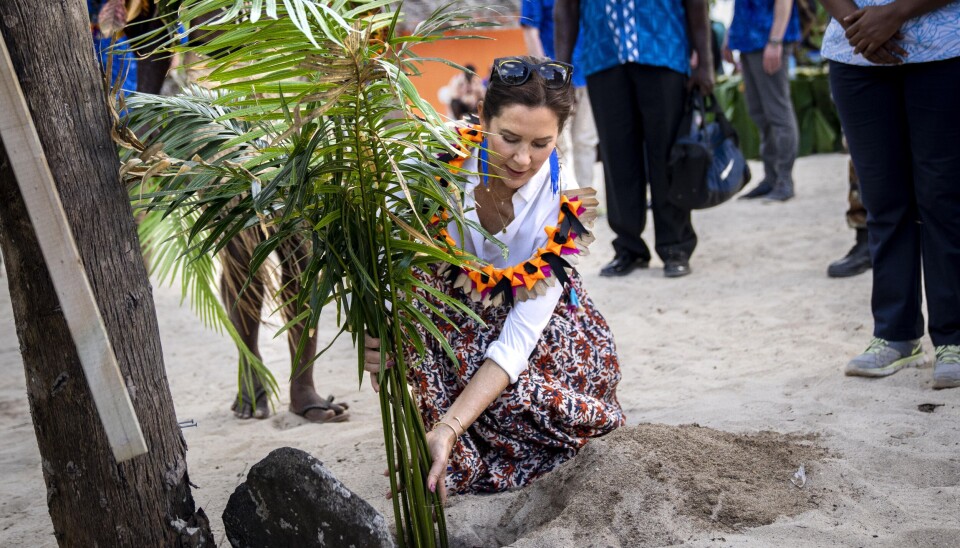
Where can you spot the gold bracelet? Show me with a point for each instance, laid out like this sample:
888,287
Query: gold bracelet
450,426
462,429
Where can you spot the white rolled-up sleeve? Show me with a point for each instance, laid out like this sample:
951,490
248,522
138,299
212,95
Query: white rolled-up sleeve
522,330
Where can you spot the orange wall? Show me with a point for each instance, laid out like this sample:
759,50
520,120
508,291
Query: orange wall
479,52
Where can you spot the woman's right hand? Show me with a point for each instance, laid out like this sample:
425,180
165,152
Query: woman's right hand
440,443
371,359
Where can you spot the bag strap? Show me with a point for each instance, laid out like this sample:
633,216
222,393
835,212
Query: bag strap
687,125
694,105
712,105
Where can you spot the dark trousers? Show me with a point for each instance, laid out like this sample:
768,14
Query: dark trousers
903,129
856,213
637,109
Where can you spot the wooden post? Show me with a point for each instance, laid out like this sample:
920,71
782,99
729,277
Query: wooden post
20,139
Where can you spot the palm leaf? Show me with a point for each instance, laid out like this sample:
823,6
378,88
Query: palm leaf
173,259
317,133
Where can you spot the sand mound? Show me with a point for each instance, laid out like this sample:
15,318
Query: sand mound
655,485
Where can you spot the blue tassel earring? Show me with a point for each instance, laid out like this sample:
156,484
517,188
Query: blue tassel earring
574,304
554,172
483,162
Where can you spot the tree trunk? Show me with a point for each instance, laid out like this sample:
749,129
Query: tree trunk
93,501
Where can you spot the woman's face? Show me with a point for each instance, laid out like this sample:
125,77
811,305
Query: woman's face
520,139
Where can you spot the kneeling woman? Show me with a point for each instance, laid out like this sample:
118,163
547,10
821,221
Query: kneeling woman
538,380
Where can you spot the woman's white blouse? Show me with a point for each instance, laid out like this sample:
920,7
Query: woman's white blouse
535,208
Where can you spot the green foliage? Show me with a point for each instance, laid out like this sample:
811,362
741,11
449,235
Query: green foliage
816,114
195,127
315,134
174,260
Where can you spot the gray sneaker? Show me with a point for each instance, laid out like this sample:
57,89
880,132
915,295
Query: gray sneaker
884,358
946,370
778,195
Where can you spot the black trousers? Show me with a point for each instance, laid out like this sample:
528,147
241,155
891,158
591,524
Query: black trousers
903,128
637,109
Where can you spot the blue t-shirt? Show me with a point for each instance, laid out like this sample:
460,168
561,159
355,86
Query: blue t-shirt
648,32
752,21
539,14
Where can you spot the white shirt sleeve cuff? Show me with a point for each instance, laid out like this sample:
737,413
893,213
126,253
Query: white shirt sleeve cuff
521,332
512,362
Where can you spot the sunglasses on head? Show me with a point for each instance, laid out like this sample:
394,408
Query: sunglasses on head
513,71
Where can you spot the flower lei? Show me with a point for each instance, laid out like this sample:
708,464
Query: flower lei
567,241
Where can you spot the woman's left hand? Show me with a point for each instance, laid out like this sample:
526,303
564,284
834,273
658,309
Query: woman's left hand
440,442
869,28
371,359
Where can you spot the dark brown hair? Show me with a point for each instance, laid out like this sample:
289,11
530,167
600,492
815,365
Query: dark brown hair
533,93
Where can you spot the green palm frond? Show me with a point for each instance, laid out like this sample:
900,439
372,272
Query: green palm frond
197,129
174,260
317,134
199,125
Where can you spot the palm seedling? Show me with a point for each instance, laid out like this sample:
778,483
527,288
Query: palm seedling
313,133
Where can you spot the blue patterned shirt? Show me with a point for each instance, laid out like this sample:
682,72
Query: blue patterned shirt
124,63
752,21
933,36
647,32
539,14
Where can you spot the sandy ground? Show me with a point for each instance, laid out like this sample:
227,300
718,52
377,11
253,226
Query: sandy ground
753,341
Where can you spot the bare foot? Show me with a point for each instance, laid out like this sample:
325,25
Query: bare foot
305,402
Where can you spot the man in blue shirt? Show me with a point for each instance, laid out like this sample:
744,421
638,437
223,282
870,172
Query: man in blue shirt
764,31
578,142
637,59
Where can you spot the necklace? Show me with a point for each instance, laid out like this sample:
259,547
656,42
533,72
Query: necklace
474,134
484,164
494,203
567,241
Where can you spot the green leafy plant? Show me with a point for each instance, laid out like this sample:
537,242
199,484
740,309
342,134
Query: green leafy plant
315,135
817,118
167,232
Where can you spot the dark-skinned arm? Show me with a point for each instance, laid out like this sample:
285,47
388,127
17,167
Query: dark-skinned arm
698,25
566,27
839,9
889,53
870,27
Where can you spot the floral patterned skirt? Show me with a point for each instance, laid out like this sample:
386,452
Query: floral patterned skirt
566,396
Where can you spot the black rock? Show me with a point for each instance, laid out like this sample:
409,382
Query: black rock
292,499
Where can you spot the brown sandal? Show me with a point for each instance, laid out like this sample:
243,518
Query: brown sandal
340,413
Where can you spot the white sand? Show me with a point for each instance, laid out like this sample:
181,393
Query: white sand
754,340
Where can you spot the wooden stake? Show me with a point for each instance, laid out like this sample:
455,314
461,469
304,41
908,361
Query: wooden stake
19,137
